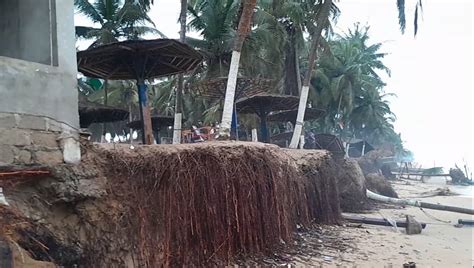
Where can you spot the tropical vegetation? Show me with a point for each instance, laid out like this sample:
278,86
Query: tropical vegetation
290,42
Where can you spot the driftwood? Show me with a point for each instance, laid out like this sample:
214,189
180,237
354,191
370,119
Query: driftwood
411,202
377,221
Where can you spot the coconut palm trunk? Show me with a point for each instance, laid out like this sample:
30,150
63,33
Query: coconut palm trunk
242,32
106,96
178,113
322,21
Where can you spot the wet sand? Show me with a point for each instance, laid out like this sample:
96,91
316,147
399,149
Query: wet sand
440,244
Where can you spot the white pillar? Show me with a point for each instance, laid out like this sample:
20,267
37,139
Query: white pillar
254,135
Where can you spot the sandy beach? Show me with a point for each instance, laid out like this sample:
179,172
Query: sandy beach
440,244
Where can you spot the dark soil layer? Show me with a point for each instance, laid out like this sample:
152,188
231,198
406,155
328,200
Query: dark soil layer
379,184
352,186
187,205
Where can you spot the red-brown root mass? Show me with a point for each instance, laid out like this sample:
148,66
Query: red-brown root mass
187,205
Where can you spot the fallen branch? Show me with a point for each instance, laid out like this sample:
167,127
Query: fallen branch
415,203
376,221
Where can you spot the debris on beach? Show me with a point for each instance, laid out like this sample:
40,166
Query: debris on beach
383,221
412,225
416,203
458,177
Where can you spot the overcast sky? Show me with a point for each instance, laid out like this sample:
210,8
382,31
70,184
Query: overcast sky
431,74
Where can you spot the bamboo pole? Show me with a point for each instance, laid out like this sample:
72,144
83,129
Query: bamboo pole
415,203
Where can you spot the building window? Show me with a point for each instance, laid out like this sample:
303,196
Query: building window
28,30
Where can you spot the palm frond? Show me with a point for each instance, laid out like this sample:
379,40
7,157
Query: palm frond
401,15
86,8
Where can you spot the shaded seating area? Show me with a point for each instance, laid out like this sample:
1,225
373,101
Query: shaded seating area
139,60
262,105
214,90
283,139
358,148
290,115
327,142
91,112
158,123
245,86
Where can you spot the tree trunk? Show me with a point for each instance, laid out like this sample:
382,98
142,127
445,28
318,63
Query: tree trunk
106,93
415,203
178,113
242,32
292,83
322,21
147,135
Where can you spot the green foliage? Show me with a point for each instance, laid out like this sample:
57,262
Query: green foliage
347,81
348,85
117,19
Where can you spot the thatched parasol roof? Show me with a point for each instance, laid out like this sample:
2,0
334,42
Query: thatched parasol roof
156,121
138,59
356,148
215,88
282,139
262,104
91,112
290,115
329,142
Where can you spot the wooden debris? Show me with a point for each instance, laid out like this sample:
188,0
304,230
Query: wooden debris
377,221
412,226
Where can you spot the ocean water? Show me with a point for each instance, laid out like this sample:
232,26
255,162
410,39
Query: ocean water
465,191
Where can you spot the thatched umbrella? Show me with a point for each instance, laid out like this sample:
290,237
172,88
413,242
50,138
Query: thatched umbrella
91,112
215,89
358,148
290,115
327,142
263,104
139,60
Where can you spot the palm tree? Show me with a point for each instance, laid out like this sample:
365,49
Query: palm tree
117,20
242,32
178,115
345,73
401,15
214,21
322,21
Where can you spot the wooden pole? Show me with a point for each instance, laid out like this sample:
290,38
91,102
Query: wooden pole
147,135
376,221
410,202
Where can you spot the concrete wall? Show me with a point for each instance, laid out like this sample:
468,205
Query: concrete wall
37,91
